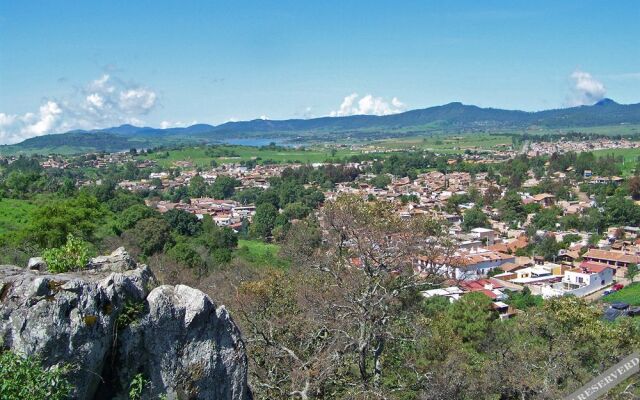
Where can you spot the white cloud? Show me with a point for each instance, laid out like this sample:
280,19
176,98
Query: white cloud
137,101
95,100
586,90
176,124
103,102
368,105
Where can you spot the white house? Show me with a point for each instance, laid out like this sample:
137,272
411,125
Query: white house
589,277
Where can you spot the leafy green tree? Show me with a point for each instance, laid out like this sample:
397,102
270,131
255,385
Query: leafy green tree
546,219
24,378
511,208
129,217
632,272
524,300
185,254
264,220
223,187
215,237
50,224
247,196
183,222
475,218
295,210
548,248
197,187
381,181
472,317
150,235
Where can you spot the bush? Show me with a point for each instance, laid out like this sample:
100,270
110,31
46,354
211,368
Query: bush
25,379
73,255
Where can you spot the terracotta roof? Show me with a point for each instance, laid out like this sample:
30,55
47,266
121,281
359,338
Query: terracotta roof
591,267
611,256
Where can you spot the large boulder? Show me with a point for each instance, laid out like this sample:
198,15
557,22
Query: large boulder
111,323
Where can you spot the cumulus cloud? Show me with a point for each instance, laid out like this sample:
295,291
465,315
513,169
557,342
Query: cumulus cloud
586,89
105,101
368,105
176,124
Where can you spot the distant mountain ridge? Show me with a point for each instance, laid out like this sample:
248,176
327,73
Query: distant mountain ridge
453,117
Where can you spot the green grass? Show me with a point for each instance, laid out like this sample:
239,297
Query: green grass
448,143
628,294
630,157
260,253
13,214
197,155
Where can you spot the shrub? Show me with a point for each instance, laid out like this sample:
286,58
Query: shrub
24,378
73,255
136,387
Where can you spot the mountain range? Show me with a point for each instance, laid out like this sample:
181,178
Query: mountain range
449,118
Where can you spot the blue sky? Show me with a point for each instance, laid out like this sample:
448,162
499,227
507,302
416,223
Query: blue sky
75,64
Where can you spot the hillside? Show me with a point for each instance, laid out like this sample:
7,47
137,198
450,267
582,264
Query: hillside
450,118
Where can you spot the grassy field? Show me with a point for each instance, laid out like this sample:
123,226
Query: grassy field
261,254
448,143
13,214
630,157
199,157
629,294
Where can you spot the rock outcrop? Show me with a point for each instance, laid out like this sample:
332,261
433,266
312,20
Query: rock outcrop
111,322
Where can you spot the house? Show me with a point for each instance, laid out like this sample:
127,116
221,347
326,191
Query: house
589,277
484,234
544,199
472,264
618,260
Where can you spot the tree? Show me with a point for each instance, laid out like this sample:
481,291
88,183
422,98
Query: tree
51,224
472,316
224,187
336,316
264,220
381,181
511,208
475,218
197,187
150,235
183,222
295,210
128,218
186,255
215,237
632,272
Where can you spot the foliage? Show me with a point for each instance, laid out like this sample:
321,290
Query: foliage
629,294
183,222
186,255
475,218
24,378
73,255
129,217
150,235
131,311
632,272
51,224
264,220
524,300
137,386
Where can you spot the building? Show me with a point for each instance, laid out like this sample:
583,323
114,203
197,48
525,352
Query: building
581,281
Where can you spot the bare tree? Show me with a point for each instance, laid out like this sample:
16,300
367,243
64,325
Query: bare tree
332,317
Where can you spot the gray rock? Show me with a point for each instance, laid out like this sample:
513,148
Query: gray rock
110,322
37,263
